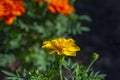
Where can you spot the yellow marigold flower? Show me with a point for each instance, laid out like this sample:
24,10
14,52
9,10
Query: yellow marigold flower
62,46
9,9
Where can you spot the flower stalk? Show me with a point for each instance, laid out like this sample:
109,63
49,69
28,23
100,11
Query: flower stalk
59,62
60,73
95,56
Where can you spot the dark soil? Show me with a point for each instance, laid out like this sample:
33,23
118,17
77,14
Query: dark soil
104,37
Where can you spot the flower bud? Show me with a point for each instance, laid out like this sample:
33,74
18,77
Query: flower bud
95,56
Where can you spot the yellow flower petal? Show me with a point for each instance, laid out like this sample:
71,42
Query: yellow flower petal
47,44
62,46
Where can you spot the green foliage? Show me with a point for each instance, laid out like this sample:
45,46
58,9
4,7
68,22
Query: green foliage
70,71
21,42
6,59
37,24
11,76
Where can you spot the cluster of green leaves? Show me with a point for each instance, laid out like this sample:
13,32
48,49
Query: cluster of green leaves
20,43
70,71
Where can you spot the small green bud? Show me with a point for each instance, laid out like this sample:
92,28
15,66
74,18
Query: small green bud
37,72
95,56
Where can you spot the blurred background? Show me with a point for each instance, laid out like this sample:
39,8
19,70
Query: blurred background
104,37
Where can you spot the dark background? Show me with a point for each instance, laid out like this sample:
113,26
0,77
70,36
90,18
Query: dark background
104,37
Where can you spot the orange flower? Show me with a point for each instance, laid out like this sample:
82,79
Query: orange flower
9,9
59,6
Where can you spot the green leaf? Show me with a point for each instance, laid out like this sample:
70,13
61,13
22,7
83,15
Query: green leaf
85,17
65,78
14,78
8,73
84,28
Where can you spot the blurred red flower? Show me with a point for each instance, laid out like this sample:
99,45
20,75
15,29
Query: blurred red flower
9,9
59,6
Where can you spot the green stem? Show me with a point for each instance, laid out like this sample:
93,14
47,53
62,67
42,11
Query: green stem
60,60
90,65
60,72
